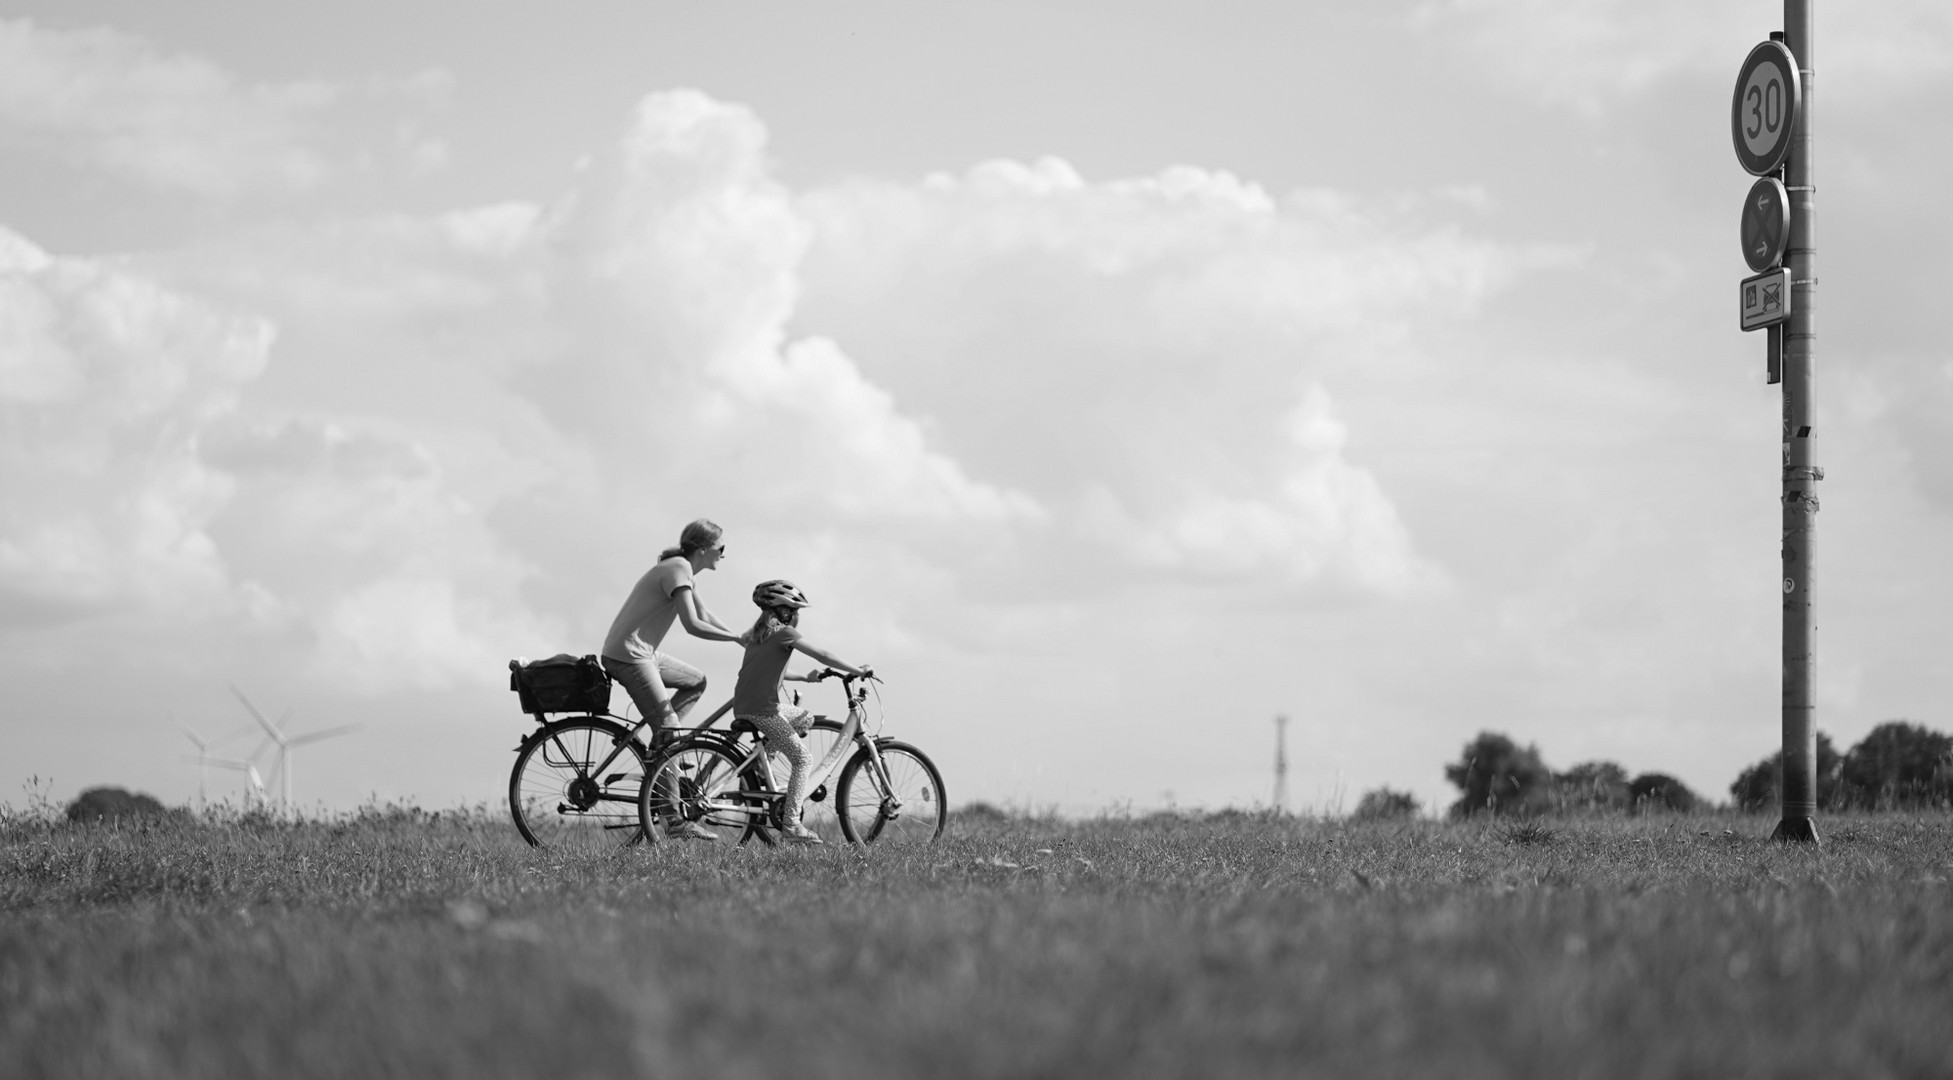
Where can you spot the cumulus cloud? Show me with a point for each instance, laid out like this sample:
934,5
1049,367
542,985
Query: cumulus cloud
107,381
142,489
680,258
473,426
1322,519
456,398
106,100
1151,357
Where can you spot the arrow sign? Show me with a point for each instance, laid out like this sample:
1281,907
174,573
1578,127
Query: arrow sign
1766,223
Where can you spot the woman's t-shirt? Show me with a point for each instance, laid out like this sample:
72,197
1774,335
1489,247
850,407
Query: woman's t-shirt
647,613
757,693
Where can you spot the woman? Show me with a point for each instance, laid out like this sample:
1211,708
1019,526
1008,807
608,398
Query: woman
663,686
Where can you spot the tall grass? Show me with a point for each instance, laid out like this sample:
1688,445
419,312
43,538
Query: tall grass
398,943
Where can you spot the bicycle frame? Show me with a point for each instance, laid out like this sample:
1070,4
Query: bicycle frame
630,737
710,796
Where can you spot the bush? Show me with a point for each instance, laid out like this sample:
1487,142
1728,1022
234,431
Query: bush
1655,791
1593,786
1497,776
112,804
1384,804
1755,789
1900,765
1897,765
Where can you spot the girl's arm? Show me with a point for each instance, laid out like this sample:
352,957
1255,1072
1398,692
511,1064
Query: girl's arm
694,617
826,658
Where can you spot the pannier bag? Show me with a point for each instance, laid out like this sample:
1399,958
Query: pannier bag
561,684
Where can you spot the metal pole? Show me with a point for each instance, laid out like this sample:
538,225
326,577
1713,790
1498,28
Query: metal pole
1798,788
1281,764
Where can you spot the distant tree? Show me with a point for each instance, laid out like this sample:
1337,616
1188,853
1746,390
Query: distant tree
1384,804
1497,776
1755,788
112,803
1593,786
1658,791
1900,765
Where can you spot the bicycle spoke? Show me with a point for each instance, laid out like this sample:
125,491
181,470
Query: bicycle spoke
900,803
694,793
556,796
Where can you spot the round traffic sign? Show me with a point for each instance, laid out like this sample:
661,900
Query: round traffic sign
1764,110
1766,223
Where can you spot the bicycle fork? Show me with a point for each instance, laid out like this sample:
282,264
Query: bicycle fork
891,807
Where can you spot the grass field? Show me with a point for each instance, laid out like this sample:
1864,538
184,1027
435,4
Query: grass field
399,943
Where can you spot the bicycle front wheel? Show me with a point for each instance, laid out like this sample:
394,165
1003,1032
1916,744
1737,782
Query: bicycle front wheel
696,791
907,808
557,795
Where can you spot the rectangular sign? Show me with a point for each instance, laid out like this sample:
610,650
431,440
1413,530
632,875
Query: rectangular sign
1764,300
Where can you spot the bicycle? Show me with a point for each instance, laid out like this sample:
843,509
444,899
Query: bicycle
575,781
887,792
576,778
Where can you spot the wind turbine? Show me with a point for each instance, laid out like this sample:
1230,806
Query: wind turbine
249,769
203,758
287,743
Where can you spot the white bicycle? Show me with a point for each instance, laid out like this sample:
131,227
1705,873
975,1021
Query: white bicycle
886,792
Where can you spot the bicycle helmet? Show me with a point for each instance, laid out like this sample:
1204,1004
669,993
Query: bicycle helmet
778,593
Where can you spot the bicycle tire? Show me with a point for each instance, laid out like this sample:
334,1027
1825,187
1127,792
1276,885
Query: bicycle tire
916,783
558,804
817,813
679,789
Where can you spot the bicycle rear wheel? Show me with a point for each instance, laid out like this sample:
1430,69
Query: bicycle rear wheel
911,809
556,797
696,791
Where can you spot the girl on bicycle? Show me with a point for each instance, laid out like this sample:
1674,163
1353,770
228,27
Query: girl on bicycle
760,696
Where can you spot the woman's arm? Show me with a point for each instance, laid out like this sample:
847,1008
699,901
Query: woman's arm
689,613
705,616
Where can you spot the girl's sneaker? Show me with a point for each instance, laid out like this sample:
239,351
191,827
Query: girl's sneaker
800,834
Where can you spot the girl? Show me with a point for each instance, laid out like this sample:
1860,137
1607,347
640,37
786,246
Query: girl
758,695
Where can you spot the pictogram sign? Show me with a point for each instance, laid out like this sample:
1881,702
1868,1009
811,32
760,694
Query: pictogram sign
1765,299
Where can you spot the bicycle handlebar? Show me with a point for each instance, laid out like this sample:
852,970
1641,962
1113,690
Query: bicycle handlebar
867,674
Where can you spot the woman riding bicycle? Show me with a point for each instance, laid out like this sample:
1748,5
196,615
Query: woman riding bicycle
663,686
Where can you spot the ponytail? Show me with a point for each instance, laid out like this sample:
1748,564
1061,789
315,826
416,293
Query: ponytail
696,537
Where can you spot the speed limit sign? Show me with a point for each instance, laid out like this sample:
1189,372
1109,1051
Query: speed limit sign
1768,96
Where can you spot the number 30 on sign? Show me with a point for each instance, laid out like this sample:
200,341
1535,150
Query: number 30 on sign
1768,97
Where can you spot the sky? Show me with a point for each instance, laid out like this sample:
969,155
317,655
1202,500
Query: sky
1114,377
